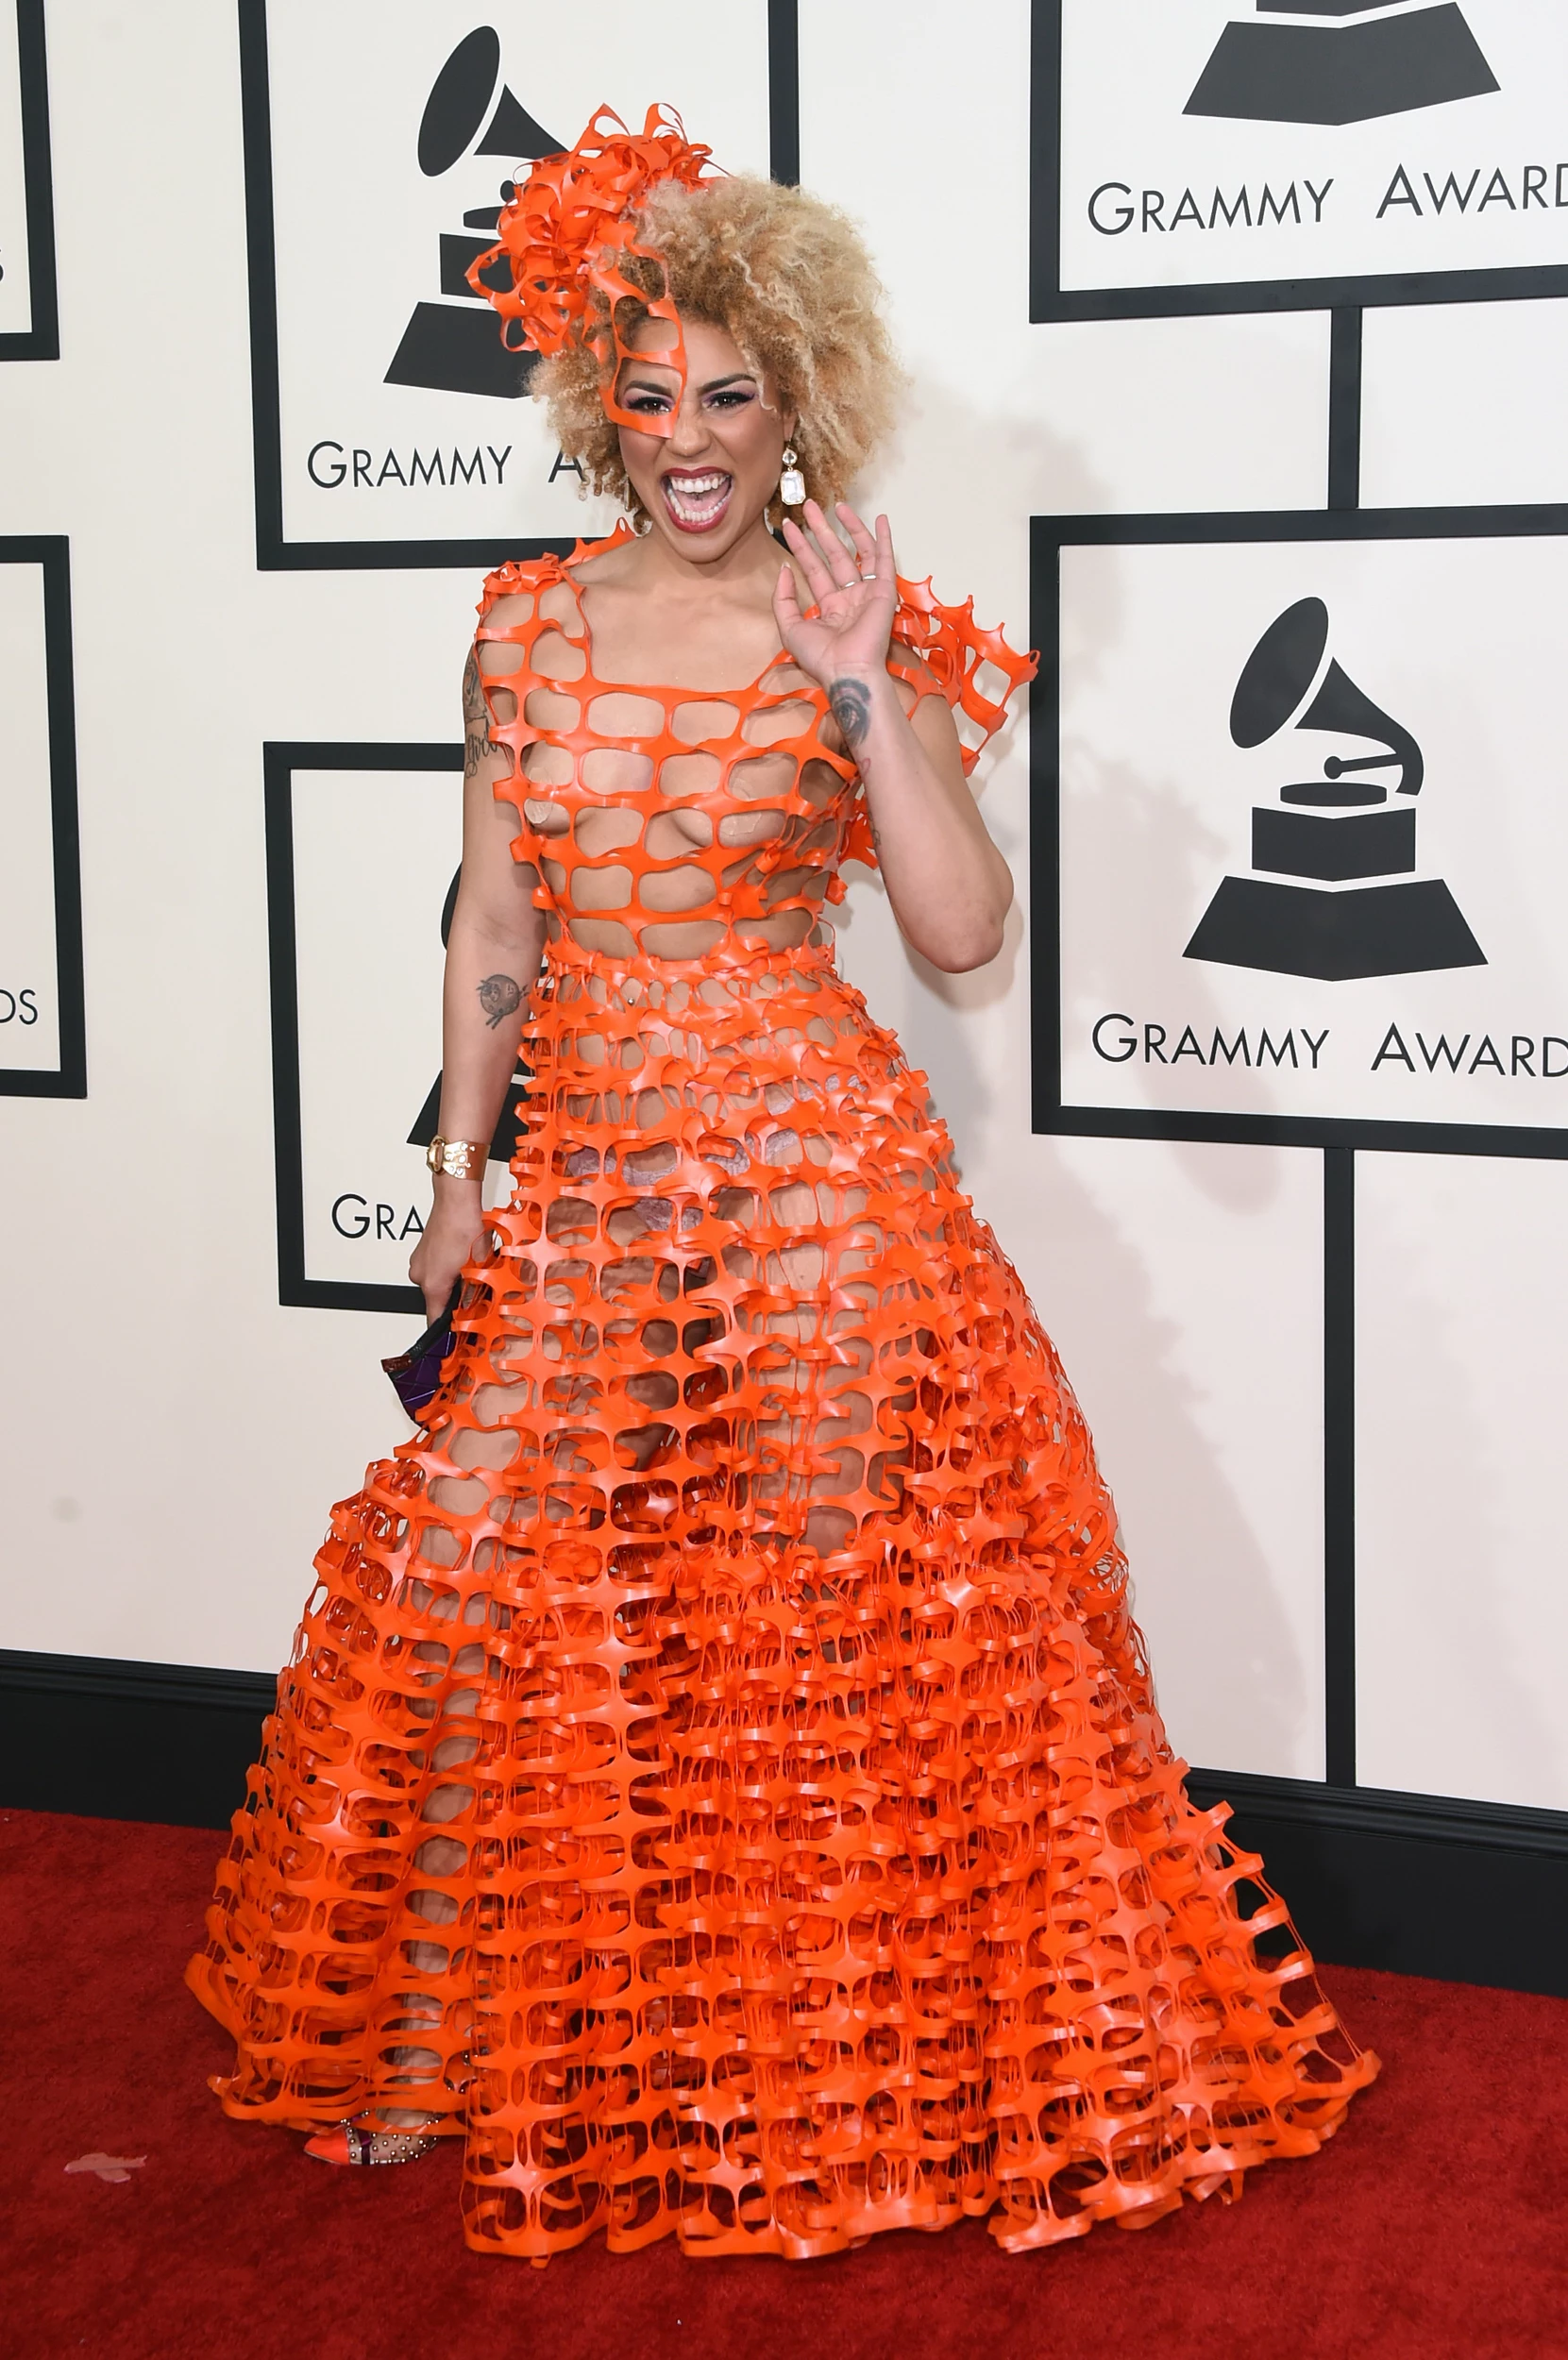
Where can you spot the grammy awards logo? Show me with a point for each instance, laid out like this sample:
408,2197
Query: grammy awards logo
1338,73
511,1127
1339,830
456,348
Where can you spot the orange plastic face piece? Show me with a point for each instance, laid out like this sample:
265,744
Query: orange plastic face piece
567,230
718,1776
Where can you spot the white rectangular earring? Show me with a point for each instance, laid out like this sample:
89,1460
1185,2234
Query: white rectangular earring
792,484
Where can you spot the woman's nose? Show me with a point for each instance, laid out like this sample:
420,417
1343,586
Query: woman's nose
691,429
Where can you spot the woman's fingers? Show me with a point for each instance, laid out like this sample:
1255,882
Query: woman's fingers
864,548
814,545
818,581
786,599
829,565
840,562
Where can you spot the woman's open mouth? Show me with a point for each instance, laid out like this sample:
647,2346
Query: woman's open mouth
695,501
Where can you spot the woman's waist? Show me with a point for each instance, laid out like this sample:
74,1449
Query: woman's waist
735,976
602,1019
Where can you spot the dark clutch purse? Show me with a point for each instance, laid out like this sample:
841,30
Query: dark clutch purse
416,1374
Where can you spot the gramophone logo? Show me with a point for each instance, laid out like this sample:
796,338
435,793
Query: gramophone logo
1334,894
1395,59
383,138
455,347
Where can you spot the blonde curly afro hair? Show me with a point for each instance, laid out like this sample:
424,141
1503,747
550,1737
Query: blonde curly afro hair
791,281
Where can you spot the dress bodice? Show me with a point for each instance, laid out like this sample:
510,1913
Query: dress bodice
682,817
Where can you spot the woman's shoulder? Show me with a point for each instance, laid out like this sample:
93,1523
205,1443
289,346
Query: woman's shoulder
606,562
511,590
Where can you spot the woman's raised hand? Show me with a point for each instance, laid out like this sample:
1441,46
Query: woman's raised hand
854,591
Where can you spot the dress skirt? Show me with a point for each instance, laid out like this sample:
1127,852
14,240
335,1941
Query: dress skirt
719,1779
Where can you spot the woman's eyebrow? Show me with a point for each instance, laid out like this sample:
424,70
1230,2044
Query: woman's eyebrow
713,385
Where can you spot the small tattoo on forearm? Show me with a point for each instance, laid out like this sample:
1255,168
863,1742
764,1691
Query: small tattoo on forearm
850,702
499,997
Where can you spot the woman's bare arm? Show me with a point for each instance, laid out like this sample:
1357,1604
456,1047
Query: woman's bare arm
493,954
950,887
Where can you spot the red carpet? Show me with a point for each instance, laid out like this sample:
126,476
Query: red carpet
1435,2225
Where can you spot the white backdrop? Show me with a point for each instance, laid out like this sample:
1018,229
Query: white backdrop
1458,641
374,852
1162,186
29,1007
175,1437
15,300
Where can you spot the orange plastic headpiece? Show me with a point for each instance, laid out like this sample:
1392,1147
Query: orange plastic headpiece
565,234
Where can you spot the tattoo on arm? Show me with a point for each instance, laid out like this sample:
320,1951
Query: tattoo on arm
850,702
476,717
499,997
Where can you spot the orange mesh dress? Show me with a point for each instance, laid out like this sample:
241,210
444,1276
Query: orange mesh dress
719,1775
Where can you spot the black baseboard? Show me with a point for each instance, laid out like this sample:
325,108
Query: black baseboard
1473,1892
167,1741
1421,1884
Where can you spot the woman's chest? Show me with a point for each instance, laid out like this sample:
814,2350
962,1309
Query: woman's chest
649,777
663,834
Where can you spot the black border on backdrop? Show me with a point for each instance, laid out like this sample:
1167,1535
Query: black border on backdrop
1049,537
51,553
1048,300
39,339
276,554
278,764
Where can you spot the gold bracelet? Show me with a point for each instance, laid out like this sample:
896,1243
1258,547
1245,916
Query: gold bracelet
460,1160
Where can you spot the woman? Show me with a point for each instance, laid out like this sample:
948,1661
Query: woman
719,1777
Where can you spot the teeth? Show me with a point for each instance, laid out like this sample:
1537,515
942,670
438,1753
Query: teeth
696,498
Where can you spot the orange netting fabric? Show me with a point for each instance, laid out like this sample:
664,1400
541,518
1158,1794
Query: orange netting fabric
730,810
719,1776
565,234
